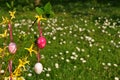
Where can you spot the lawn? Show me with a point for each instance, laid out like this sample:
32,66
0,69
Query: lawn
83,43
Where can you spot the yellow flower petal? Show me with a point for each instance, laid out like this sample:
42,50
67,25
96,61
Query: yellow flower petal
12,14
4,34
5,20
1,50
39,18
31,50
22,63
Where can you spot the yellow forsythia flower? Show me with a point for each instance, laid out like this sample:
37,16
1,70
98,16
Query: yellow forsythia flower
4,34
40,18
18,70
31,50
1,50
12,14
5,20
22,62
14,78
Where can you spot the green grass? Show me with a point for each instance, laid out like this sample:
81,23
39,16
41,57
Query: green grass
81,42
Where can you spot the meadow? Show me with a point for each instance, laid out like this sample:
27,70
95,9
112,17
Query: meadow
83,43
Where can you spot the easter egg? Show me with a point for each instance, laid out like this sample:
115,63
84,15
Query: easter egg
41,42
12,48
38,68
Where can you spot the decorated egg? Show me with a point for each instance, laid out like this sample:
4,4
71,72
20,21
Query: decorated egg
38,68
12,48
41,42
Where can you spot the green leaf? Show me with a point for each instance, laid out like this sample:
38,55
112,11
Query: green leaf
12,3
48,7
39,10
51,14
8,5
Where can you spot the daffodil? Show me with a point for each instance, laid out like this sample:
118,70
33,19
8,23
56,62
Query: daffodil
31,50
12,14
4,34
39,18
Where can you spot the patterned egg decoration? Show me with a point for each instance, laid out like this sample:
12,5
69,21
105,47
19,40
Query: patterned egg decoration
38,68
12,48
41,42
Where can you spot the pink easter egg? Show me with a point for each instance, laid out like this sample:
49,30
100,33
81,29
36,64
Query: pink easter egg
41,42
12,48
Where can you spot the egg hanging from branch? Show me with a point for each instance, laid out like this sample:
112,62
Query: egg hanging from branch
12,48
41,42
38,68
